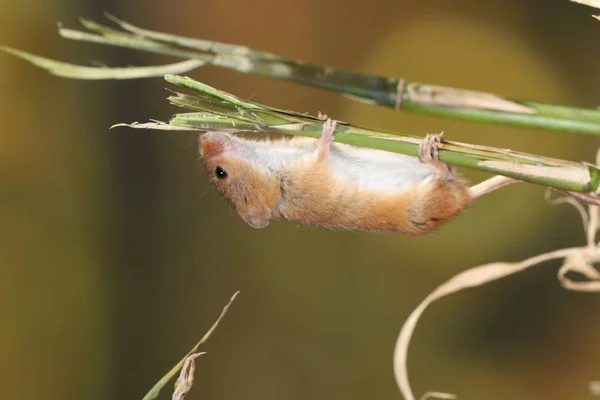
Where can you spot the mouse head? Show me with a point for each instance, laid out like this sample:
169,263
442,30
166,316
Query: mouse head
234,170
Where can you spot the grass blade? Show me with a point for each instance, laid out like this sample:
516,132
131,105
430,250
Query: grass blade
68,70
218,110
386,91
153,393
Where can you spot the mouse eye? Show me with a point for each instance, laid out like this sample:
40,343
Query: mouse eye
220,173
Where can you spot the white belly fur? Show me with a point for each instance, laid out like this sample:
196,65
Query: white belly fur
366,168
376,169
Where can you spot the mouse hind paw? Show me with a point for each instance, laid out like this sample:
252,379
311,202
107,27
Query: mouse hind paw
428,148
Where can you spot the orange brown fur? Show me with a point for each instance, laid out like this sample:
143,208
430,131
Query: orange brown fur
315,198
253,196
304,190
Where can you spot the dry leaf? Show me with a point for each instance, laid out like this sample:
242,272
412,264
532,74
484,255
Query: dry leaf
591,3
577,260
184,383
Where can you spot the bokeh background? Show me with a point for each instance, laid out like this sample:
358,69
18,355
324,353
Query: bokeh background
116,255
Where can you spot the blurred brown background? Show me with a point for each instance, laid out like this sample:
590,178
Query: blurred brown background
116,255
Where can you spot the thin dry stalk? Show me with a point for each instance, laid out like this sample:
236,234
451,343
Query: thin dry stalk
576,261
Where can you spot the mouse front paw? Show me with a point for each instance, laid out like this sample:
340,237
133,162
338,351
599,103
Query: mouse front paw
328,132
327,136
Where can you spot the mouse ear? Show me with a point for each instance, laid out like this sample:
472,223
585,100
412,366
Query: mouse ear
213,143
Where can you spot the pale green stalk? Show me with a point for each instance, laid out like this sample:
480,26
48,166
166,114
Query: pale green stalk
216,110
387,91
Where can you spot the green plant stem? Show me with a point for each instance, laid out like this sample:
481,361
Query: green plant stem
217,110
386,91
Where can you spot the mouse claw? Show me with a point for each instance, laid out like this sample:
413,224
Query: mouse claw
428,148
322,116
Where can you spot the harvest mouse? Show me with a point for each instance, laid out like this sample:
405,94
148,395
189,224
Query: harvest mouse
320,183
